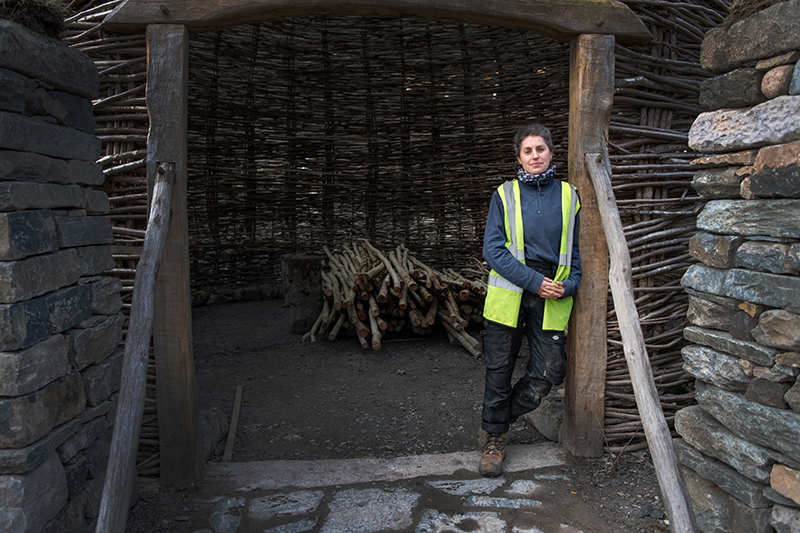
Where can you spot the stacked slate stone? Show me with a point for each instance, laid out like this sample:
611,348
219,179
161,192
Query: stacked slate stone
740,449
60,319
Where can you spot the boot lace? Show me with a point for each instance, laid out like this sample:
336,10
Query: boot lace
495,443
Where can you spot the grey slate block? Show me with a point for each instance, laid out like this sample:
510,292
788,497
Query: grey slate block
725,342
706,434
81,439
105,290
714,367
95,259
29,501
738,88
715,183
33,135
95,339
83,231
24,460
23,324
29,418
26,233
47,59
80,113
728,479
36,168
103,379
768,33
772,290
785,519
776,429
776,218
24,371
37,275
20,195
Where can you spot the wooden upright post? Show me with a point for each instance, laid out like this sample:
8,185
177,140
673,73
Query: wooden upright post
591,89
176,393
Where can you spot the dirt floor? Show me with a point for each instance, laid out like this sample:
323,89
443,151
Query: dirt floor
335,400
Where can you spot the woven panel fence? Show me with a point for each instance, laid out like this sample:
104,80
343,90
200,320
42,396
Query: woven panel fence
323,131
336,130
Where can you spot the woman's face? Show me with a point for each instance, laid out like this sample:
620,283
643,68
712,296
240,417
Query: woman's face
534,155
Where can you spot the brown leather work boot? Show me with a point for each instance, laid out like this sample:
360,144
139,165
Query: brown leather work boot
494,452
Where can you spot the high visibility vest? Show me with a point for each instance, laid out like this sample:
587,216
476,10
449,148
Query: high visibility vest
503,298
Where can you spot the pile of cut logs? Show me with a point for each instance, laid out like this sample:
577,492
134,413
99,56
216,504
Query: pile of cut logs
371,293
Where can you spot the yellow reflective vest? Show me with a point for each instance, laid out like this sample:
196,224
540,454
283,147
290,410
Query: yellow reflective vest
503,298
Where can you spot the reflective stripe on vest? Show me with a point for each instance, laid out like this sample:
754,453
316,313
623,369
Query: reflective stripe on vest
556,312
503,298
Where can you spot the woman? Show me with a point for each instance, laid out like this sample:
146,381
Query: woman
531,245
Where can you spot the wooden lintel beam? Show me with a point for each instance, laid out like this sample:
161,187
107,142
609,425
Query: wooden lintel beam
561,20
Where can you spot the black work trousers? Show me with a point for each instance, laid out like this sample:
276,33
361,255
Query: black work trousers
546,367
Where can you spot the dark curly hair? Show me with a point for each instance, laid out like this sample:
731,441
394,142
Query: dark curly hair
532,130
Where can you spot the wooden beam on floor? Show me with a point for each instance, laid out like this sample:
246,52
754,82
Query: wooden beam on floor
237,405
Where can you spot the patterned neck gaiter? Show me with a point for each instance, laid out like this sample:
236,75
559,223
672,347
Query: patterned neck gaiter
536,179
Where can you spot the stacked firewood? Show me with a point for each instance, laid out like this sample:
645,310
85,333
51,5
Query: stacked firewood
370,293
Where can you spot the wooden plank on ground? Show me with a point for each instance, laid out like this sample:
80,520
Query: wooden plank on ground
237,405
591,97
659,440
176,390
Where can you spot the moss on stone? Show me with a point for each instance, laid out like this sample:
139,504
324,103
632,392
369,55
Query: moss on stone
45,17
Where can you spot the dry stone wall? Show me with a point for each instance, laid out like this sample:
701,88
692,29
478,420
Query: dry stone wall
740,445
60,317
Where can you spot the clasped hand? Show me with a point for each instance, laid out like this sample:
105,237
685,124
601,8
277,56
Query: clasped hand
551,289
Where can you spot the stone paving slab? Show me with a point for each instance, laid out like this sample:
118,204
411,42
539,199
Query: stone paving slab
390,507
228,478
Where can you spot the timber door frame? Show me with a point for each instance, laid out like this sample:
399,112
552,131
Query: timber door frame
591,27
